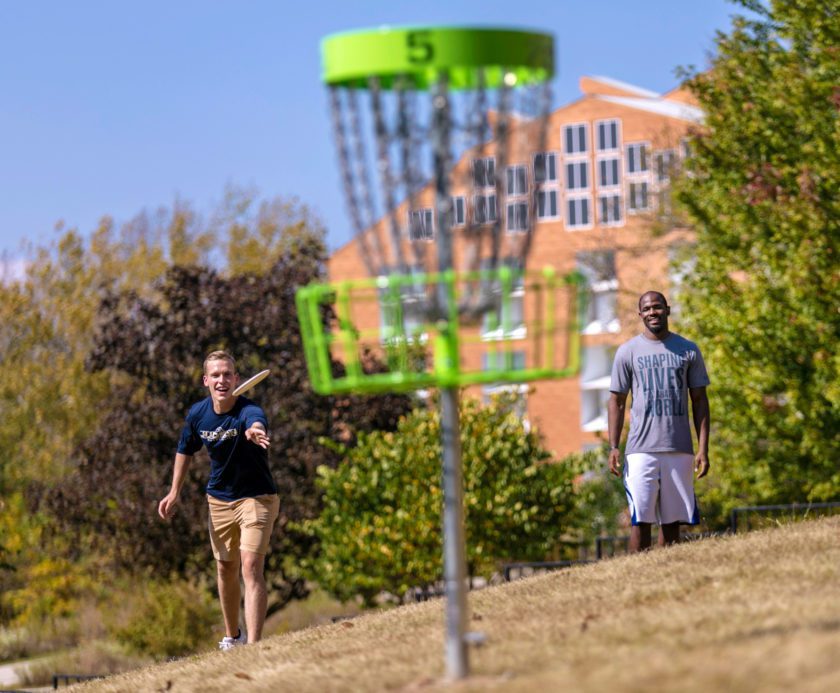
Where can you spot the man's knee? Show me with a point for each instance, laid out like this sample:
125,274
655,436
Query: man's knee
228,570
252,567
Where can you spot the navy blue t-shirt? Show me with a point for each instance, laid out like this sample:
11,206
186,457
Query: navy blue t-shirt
238,467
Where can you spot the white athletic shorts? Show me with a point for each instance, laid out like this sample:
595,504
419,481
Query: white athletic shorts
660,488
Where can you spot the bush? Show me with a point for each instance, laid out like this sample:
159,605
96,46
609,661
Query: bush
53,590
168,619
380,527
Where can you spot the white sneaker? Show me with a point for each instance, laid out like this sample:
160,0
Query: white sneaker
228,643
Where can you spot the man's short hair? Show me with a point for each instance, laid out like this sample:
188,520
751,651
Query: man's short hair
656,293
220,356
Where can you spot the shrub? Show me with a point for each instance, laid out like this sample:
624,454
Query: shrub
168,619
380,527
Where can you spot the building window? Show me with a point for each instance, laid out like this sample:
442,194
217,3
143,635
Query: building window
517,180
507,318
484,172
636,157
596,366
547,204
637,196
545,168
601,313
484,209
577,175
402,310
609,210
421,225
607,135
517,216
503,360
459,211
664,163
577,212
575,139
608,174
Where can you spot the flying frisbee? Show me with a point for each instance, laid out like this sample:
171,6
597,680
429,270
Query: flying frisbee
251,382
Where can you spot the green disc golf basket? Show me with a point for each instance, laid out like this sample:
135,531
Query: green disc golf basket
381,332
451,123
441,141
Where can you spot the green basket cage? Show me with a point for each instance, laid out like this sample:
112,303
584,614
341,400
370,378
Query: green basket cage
375,335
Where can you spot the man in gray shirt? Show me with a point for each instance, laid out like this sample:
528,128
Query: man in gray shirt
663,371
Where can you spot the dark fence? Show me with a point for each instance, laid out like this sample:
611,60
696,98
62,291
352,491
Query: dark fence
605,547
69,679
759,516
533,568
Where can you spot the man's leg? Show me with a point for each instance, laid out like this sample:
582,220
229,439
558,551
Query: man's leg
639,537
229,594
256,596
679,506
669,534
641,483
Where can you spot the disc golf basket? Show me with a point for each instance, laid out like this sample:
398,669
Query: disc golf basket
441,139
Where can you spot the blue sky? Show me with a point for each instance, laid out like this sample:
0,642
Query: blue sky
113,107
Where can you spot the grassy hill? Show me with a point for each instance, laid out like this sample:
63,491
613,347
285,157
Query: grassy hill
754,612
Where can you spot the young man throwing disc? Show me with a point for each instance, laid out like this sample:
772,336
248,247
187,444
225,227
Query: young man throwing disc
241,492
663,371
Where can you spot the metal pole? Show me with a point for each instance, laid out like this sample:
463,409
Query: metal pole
454,562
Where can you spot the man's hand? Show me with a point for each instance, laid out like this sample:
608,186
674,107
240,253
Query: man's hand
701,464
615,461
258,436
167,506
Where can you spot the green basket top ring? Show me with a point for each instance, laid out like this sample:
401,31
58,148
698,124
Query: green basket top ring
509,56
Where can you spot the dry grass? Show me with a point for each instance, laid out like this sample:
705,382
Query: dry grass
755,612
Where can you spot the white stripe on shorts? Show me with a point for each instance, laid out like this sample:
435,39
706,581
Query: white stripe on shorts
660,487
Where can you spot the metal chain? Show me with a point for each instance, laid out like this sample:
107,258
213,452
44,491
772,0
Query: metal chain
383,163
347,177
361,175
409,177
544,108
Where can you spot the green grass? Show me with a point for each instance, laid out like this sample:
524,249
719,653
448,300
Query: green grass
754,612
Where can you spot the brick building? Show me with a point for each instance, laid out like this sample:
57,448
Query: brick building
603,209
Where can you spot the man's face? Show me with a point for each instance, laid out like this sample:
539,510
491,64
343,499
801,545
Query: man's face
220,379
654,313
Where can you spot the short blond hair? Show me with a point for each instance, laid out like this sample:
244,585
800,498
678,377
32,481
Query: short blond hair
219,356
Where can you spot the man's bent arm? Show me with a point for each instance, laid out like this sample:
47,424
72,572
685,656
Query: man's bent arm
702,424
615,419
179,475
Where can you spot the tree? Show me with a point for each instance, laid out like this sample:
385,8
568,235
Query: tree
157,345
379,529
761,190
48,400
73,422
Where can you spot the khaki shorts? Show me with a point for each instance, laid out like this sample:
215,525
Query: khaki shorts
244,524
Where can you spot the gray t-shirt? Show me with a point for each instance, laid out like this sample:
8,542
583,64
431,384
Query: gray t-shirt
658,373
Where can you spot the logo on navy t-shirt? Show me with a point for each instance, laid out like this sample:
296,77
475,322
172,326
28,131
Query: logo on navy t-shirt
219,435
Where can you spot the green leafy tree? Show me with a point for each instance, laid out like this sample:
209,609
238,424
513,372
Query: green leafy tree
762,192
380,528
157,344
72,427
49,401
